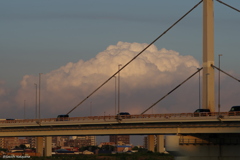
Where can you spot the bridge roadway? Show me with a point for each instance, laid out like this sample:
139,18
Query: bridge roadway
147,124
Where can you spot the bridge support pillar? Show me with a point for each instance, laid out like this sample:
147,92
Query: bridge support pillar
160,143
150,141
204,146
48,146
39,145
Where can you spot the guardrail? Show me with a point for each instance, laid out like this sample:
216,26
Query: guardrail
126,117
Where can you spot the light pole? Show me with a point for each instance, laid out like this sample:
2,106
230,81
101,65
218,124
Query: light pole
91,108
39,94
199,88
207,89
219,83
115,94
36,99
119,88
24,104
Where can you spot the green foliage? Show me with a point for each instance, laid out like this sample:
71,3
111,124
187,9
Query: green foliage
89,148
107,148
118,156
22,146
135,148
3,149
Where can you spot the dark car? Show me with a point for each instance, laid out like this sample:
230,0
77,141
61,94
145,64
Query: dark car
62,117
63,151
123,115
202,112
234,111
10,120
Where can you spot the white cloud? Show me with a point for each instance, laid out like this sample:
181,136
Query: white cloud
148,78
154,72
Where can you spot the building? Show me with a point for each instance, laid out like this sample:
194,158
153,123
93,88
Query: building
120,139
74,141
145,140
31,141
82,141
60,141
9,142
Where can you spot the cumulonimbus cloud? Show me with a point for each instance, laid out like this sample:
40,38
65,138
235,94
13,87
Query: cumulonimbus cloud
152,71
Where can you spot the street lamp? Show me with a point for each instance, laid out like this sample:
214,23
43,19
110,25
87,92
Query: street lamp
207,90
36,99
199,88
39,94
119,88
91,108
115,94
219,83
24,104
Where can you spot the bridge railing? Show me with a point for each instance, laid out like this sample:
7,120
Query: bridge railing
128,117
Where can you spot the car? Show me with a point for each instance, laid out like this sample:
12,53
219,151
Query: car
10,120
62,117
202,112
234,111
64,151
123,115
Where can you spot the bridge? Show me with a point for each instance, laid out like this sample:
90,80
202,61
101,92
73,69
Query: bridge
184,124
179,123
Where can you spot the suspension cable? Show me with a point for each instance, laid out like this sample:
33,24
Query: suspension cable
225,72
135,56
228,5
171,91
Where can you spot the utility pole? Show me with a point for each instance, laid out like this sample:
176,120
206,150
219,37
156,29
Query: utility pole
119,88
39,94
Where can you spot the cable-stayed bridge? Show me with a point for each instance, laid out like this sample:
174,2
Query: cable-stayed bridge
179,123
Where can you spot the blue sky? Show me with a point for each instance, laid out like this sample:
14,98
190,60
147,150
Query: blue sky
40,36
43,36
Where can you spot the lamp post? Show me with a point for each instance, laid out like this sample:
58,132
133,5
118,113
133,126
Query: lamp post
36,100
207,89
199,88
91,108
24,104
115,94
119,88
219,83
39,95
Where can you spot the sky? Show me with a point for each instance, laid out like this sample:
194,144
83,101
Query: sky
77,45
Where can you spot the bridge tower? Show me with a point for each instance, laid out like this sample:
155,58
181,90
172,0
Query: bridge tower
221,149
208,100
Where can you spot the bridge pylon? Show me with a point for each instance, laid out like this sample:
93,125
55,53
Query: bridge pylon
208,100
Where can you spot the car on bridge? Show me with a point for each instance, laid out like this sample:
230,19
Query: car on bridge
62,117
123,115
234,111
202,112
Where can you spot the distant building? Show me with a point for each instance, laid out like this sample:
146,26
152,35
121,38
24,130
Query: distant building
31,141
82,141
74,141
60,141
123,148
106,143
120,139
145,140
9,142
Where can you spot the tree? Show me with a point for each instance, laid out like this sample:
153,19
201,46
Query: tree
135,148
22,146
